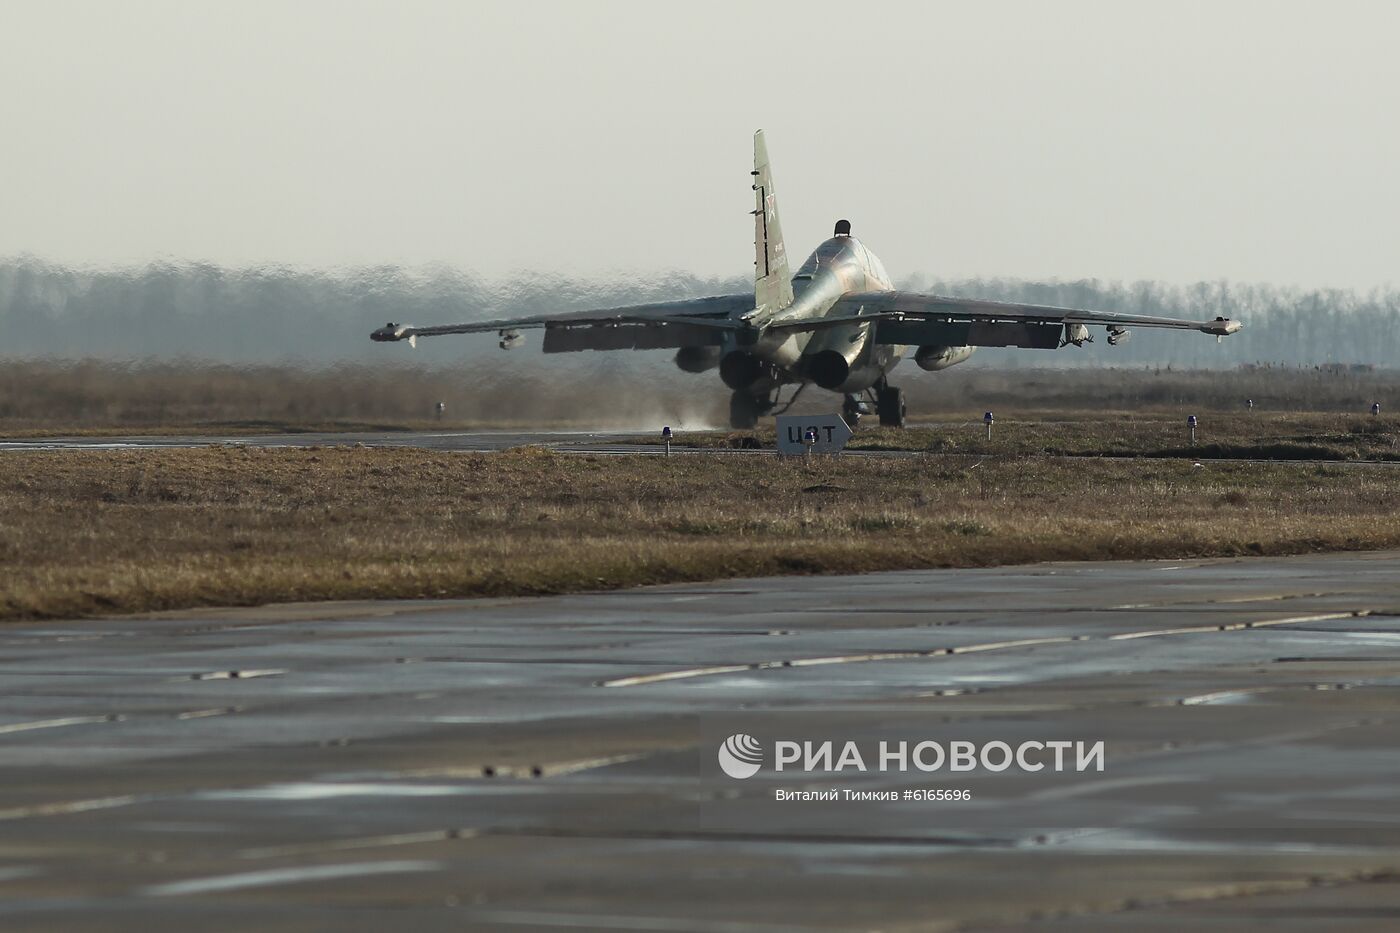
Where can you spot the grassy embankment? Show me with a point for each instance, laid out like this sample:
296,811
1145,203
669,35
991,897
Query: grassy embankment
115,531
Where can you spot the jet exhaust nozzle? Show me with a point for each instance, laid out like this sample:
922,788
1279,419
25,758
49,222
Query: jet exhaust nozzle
828,369
738,369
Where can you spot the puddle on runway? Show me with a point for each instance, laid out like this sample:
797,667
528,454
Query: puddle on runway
258,879
318,790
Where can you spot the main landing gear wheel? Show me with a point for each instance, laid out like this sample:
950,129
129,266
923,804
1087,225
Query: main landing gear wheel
745,409
889,402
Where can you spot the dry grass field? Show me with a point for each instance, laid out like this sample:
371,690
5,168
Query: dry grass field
101,531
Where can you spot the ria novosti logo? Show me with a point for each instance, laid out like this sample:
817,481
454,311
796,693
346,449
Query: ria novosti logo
740,756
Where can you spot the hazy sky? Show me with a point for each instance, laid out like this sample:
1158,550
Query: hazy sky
1120,140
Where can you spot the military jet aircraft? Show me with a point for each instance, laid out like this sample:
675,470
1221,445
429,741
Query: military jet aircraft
838,323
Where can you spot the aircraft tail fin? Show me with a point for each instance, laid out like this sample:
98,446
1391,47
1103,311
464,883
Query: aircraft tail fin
772,283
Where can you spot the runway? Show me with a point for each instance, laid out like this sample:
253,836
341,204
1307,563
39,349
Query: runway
552,763
576,442
460,441
588,443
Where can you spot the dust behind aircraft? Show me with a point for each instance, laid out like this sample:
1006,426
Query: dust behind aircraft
838,323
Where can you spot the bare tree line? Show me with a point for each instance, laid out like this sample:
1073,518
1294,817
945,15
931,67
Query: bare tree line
1288,326
201,311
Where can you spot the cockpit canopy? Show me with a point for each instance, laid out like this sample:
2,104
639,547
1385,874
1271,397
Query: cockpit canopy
836,251
843,249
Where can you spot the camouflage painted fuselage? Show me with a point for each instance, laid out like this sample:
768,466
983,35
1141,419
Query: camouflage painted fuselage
837,323
842,357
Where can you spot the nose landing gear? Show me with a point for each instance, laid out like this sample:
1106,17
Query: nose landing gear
745,409
852,408
885,400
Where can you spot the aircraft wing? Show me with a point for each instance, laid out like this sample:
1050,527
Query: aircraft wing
694,322
913,319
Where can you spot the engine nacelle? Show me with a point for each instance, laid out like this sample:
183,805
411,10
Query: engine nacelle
832,371
936,358
740,370
697,359
828,369
510,339
838,359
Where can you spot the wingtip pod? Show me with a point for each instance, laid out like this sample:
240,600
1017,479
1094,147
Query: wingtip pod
1221,327
391,332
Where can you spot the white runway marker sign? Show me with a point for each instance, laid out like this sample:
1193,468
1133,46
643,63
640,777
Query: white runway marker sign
830,434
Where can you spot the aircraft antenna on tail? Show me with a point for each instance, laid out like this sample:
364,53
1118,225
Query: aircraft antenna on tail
772,283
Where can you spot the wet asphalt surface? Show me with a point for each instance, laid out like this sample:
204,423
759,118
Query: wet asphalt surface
552,763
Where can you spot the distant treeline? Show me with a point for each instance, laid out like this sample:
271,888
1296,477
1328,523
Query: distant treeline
207,312
1290,326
